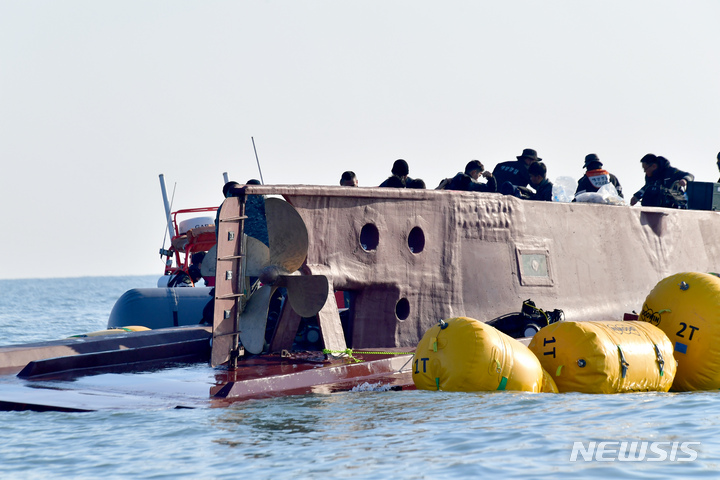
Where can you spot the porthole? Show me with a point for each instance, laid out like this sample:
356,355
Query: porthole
402,309
416,240
369,237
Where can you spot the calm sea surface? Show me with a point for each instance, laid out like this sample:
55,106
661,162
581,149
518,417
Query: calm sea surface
414,434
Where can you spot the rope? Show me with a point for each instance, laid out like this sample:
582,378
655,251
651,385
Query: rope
384,353
349,352
547,320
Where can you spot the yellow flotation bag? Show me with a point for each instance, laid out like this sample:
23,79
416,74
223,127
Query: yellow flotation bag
112,331
605,357
686,306
466,355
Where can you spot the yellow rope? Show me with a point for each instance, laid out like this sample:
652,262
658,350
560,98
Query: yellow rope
349,352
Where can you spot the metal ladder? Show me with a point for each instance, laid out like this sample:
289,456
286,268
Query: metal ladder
239,295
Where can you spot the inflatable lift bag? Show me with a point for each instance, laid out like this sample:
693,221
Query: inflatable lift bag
466,355
686,306
605,357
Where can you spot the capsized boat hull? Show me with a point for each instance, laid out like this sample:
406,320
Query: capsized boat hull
409,258
412,257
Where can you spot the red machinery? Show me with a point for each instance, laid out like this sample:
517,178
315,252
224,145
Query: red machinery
194,234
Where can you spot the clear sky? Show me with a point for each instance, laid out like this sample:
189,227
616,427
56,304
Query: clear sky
99,97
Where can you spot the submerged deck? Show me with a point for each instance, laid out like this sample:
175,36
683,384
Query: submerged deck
168,368
196,385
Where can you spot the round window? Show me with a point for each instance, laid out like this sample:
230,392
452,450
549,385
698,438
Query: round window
416,240
402,309
369,237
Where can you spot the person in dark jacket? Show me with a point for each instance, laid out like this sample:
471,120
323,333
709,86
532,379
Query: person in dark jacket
399,177
468,180
227,192
663,184
515,172
538,180
348,179
595,177
256,224
418,183
718,164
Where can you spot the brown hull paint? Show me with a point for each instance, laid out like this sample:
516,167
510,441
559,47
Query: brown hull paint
271,376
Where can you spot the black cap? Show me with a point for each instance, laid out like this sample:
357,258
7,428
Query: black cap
590,159
529,153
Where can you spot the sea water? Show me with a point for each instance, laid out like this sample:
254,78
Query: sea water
368,435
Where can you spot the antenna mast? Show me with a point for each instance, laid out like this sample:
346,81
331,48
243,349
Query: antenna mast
258,161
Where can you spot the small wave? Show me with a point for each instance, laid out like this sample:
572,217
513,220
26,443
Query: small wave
371,387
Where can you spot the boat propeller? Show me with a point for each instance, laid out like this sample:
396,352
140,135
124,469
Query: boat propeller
278,266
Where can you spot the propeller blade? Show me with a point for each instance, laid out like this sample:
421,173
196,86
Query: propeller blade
288,236
307,294
258,257
208,265
253,320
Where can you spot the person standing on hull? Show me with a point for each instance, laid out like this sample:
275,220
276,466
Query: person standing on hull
512,177
718,164
399,177
256,224
468,180
418,183
348,179
538,180
595,177
664,184
227,193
